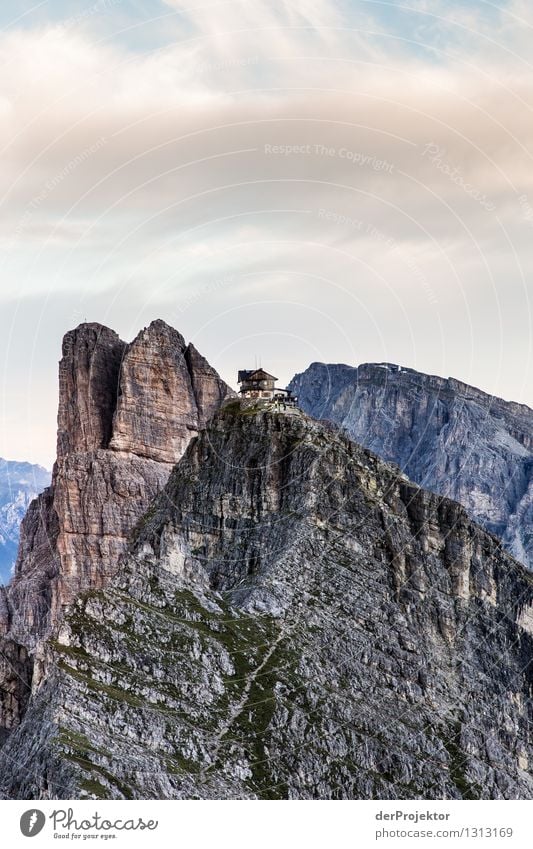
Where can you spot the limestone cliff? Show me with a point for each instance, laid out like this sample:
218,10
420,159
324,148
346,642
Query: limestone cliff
156,412
293,619
447,436
89,374
126,414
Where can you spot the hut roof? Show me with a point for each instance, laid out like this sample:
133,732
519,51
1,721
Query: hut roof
256,374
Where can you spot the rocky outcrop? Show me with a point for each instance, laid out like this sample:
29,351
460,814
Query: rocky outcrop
16,671
33,590
447,437
156,412
20,483
89,374
126,414
294,619
208,389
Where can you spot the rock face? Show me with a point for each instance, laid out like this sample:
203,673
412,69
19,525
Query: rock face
16,671
447,436
208,390
89,375
293,619
126,414
156,412
20,483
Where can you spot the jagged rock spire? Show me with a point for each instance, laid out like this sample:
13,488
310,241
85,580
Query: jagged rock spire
126,415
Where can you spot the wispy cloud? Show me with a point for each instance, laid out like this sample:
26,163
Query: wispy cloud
286,149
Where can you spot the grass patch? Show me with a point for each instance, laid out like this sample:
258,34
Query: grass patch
457,758
94,788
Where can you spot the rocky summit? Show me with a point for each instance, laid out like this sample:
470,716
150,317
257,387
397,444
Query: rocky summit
126,414
447,436
293,619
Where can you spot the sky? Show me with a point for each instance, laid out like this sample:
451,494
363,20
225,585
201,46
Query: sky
283,182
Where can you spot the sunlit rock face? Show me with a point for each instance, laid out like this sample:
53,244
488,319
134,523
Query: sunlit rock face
448,437
126,415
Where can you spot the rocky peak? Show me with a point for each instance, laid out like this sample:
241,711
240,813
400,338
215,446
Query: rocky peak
167,392
88,387
294,619
126,414
156,410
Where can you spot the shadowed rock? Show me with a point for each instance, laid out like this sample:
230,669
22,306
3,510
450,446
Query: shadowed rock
295,620
88,387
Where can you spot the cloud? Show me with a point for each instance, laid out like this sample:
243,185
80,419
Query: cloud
293,152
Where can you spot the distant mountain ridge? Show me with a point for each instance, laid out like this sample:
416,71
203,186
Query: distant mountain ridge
20,483
448,437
